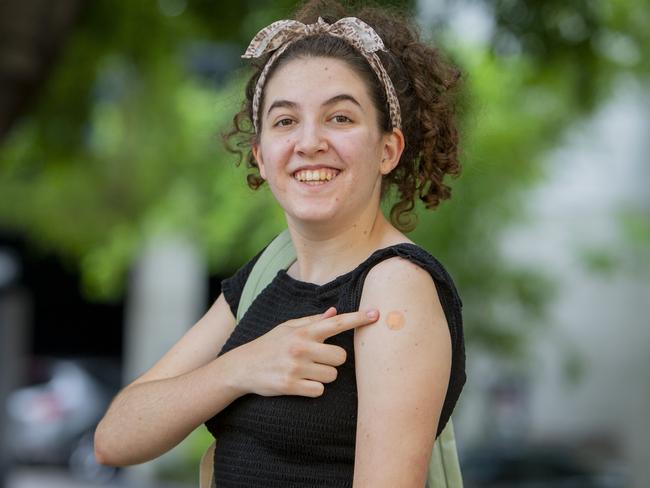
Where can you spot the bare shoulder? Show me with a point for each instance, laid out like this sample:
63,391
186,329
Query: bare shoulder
397,275
410,310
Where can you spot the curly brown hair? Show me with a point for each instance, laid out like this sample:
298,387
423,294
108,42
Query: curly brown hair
426,83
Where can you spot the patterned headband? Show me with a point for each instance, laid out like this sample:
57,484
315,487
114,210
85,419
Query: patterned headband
279,35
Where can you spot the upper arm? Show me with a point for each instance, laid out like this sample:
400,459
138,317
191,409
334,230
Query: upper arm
197,347
402,376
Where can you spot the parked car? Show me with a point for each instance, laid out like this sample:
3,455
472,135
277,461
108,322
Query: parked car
52,419
534,466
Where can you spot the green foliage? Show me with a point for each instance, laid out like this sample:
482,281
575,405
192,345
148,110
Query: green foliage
125,147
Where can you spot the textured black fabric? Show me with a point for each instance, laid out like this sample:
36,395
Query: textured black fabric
297,441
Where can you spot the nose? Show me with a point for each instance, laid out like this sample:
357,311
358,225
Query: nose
311,140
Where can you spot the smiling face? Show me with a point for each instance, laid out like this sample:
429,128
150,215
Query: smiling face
318,117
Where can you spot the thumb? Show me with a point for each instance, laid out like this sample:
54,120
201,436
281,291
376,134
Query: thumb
330,312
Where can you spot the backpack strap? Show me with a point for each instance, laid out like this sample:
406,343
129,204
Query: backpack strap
279,254
206,467
444,467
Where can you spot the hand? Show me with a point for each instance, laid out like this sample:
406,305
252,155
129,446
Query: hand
291,359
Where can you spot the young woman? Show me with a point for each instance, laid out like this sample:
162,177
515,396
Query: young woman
348,365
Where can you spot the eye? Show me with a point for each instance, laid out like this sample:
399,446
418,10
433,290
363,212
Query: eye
341,119
283,123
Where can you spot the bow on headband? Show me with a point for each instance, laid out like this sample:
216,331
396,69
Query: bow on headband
351,28
279,35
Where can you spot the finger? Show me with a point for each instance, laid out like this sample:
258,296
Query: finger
324,329
308,388
328,354
320,372
330,312
302,321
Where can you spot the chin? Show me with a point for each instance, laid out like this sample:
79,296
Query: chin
312,214
313,218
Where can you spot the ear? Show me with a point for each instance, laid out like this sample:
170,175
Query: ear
257,154
393,146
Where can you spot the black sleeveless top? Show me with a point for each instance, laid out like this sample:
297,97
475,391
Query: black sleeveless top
297,441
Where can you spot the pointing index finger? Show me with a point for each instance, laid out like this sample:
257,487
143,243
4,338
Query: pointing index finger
302,321
339,323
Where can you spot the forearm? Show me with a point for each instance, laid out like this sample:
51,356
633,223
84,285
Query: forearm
148,419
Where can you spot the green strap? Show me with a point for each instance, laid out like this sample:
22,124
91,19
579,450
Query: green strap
279,254
444,468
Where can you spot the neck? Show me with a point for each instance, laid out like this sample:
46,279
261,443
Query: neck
327,251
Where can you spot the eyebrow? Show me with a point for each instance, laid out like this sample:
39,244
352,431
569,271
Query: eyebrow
335,99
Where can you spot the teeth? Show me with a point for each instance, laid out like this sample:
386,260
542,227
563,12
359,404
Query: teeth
316,175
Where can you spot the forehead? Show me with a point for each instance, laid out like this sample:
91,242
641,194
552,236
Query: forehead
314,77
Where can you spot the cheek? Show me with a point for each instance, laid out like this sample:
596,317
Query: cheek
361,152
276,153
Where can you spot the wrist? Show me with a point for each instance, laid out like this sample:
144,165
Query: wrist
232,374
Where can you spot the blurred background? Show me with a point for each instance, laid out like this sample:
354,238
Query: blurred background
120,213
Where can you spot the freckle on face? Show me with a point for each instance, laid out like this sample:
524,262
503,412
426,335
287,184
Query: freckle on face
395,320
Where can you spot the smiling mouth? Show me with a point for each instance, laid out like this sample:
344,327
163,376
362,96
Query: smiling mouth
316,177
